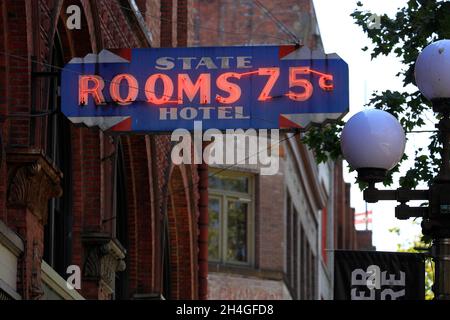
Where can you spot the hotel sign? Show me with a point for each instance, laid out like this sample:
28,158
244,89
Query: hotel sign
160,90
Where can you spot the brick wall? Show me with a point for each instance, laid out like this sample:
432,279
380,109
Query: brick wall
105,24
237,287
364,240
243,22
346,236
270,233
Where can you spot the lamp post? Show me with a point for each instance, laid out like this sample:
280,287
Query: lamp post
373,142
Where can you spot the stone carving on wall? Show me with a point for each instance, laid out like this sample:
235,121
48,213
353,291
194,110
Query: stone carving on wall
104,257
32,182
37,291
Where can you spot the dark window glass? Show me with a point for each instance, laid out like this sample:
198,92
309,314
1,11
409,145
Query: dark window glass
166,267
121,285
58,230
214,228
237,231
295,254
230,219
304,269
236,184
289,227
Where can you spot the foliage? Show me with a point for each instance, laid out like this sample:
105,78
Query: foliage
416,25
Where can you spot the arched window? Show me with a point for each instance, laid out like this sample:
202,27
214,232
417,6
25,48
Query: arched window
166,259
121,221
58,230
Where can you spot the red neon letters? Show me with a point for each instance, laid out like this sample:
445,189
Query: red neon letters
132,89
150,89
303,83
233,90
95,90
203,84
273,74
300,88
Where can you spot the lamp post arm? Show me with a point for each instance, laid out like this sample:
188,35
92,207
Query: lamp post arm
372,194
404,212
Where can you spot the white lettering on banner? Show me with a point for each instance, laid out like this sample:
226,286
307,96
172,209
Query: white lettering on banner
365,284
392,294
168,113
224,113
391,280
203,113
210,63
359,277
355,295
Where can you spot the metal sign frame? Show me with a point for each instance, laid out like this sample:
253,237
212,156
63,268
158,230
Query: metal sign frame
162,89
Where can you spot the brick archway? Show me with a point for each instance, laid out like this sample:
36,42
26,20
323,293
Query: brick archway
35,37
85,40
29,31
182,225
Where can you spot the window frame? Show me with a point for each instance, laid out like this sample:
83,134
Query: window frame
58,231
301,271
224,196
120,228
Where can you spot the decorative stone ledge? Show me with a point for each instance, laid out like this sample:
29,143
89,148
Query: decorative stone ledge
57,284
148,296
6,293
32,181
10,240
104,257
11,247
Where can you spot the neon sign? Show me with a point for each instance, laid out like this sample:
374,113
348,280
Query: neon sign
148,90
201,86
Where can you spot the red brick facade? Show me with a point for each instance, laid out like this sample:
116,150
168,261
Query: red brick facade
244,22
346,235
227,23
29,179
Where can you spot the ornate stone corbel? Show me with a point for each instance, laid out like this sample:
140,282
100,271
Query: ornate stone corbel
32,182
104,257
36,284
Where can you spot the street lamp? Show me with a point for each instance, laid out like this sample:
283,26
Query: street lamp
373,142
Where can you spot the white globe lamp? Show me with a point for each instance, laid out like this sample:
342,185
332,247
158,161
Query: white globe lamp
432,73
373,142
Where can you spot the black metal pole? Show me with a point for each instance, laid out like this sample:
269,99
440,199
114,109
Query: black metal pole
441,238
441,257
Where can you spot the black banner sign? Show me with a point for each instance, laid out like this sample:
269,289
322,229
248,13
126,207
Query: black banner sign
371,275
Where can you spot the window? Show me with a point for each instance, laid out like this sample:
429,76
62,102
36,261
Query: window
295,252
289,242
293,248
303,266
166,262
230,218
58,230
308,270
121,222
300,259
313,277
